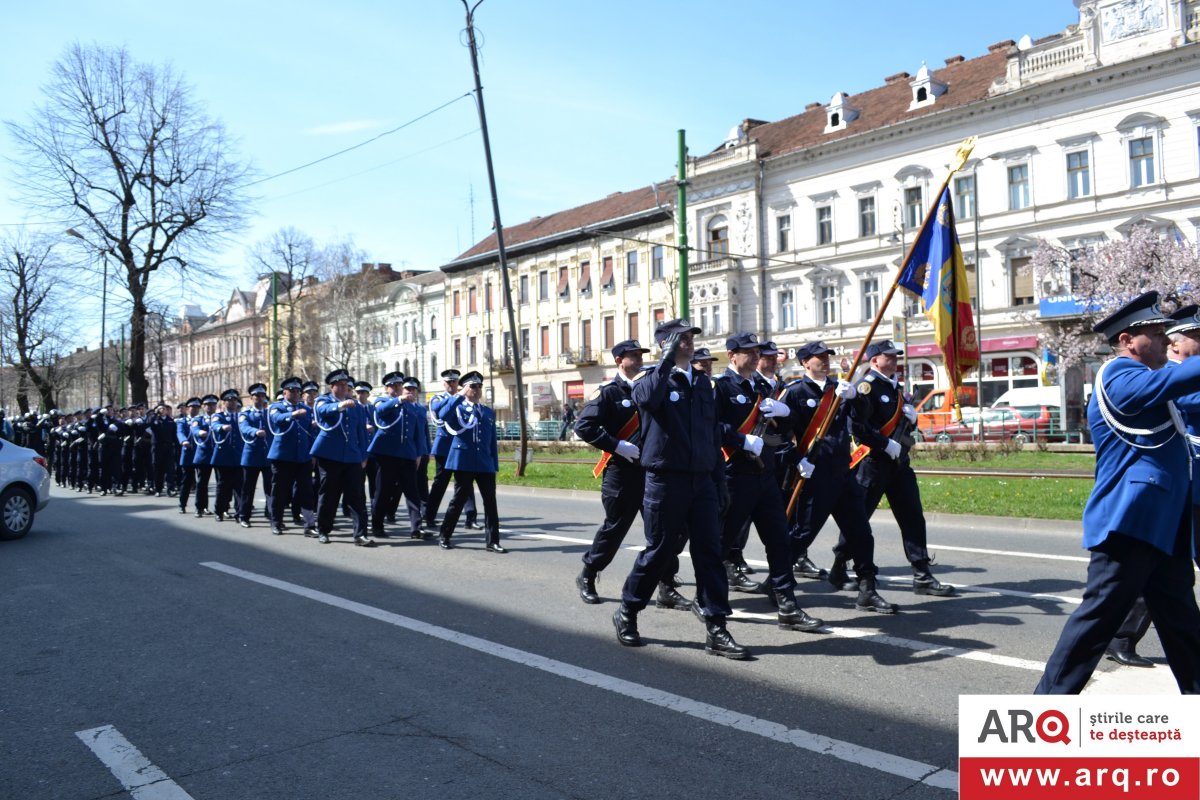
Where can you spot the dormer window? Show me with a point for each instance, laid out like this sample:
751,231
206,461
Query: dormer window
925,89
838,114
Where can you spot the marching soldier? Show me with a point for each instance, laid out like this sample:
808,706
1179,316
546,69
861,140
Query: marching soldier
832,489
401,438
746,407
341,452
256,443
473,459
161,430
290,429
610,423
685,494
702,360
202,440
441,448
226,457
881,422
185,435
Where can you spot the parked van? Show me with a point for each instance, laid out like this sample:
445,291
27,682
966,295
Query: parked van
1037,412
936,410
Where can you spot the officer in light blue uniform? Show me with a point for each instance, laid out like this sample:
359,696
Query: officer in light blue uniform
1138,520
400,439
227,453
289,427
473,458
256,443
200,431
441,448
187,451
341,452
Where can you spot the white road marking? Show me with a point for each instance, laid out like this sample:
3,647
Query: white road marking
1009,553
141,779
804,740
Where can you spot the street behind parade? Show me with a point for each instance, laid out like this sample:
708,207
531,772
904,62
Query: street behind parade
241,664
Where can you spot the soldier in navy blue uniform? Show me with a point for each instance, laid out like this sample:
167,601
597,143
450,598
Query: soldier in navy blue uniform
107,429
702,360
473,459
256,443
609,422
400,439
752,424
831,488
187,451
289,424
1138,520
685,494
441,448
201,433
226,456
341,452
161,428
881,421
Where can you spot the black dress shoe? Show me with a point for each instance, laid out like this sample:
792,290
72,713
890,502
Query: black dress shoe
805,567
840,579
473,526
445,544
739,561
245,523
278,531
363,541
720,643
869,600
220,516
625,622
183,511
199,514
585,582
496,547
323,538
1127,657
738,582
932,586
310,533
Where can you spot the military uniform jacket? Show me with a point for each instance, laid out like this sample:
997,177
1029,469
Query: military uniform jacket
737,399
602,419
106,431
291,437
472,431
254,447
680,429
1190,406
441,440
342,432
183,434
162,432
227,445
879,399
401,429
832,453
203,443
1142,479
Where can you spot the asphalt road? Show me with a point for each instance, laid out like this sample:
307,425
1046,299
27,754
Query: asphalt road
193,658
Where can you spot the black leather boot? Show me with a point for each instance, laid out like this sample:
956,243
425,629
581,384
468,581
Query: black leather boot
805,567
738,582
585,581
869,599
739,561
720,643
669,598
925,583
791,616
625,622
840,579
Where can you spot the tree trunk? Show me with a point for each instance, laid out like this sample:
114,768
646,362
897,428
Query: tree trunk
135,367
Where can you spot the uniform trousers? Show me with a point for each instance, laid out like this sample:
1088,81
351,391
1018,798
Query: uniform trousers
395,478
111,477
250,477
203,474
679,507
464,497
341,479
441,479
187,480
838,495
229,488
881,477
290,485
163,467
1135,626
621,491
757,499
1120,569
93,466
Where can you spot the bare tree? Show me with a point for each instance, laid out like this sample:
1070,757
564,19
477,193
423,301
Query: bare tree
347,284
124,151
293,257
31,321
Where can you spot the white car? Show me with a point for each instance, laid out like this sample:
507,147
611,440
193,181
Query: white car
24,489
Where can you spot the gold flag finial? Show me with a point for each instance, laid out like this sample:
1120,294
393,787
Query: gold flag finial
962,154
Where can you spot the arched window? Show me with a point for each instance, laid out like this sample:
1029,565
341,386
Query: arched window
433,370
433,326
406,365
718,237
406,331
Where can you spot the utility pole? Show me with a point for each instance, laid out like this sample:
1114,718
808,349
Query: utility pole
522,455
681,221
275,327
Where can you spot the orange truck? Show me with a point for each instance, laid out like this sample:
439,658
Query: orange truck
936,410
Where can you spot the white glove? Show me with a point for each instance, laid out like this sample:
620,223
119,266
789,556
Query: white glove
806,468
753,444
774,408
628,450
845,390
893,449
910,413
113,428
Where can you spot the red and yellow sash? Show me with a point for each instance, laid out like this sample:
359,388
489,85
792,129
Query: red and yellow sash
746,426
862,450
810,433
626,431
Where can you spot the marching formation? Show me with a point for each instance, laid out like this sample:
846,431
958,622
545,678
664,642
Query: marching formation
701,459
311,453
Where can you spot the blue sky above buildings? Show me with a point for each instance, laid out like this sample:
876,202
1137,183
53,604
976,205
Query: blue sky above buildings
583,99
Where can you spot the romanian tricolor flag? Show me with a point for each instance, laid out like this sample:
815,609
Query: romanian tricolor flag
935,273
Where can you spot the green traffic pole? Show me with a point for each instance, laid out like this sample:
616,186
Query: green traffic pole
122,364
681,221
274,329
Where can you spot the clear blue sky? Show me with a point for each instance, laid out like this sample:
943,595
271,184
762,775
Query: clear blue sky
583,99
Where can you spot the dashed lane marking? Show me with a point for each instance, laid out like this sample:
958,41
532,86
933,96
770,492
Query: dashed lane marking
141,779
816,743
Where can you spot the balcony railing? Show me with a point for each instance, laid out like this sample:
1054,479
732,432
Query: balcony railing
580,358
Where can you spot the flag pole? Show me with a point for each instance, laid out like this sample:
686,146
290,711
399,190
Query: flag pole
960,157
